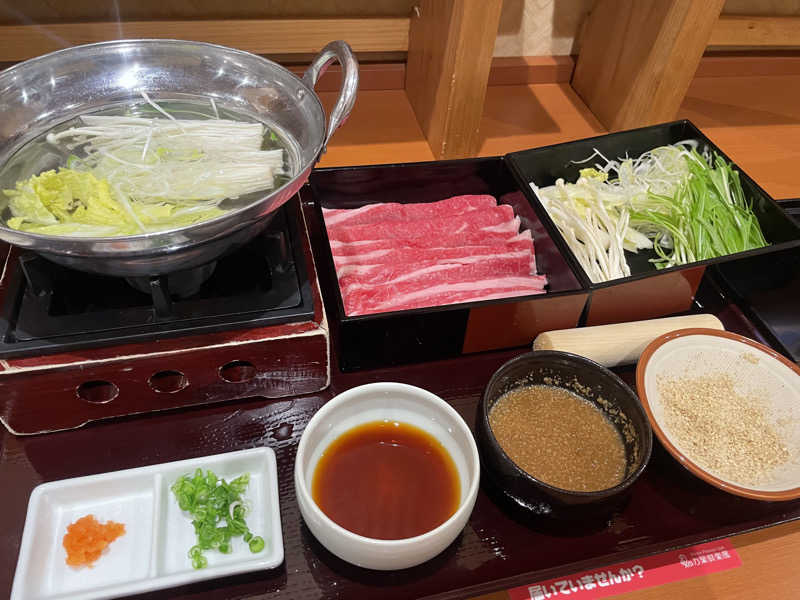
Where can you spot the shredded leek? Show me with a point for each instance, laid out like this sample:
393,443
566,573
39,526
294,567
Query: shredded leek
684,205
157,160
706,217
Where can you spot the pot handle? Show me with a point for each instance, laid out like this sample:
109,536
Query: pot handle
339,51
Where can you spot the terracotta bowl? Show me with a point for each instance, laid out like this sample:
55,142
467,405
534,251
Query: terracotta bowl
619,404
756,372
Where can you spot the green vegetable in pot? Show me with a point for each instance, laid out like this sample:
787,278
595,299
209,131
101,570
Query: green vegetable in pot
76,203
66,201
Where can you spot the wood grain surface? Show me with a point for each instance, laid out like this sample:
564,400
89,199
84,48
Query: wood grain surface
261,36
754,119
21,12
757,31
749,64
766,556
637,58
449,54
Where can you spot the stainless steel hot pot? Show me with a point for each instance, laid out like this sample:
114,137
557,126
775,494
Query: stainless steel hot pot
41,93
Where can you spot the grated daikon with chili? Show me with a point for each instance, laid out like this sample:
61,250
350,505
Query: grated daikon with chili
86,539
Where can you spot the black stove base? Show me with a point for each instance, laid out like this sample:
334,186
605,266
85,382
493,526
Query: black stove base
49,308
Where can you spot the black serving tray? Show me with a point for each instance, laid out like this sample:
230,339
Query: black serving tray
401,337
503,546
647,292
768,289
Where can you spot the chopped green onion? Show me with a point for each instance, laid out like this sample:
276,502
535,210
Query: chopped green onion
708,216
199,561
217,513
256,544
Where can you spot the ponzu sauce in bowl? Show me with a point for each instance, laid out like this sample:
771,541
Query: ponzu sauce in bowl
386,475
387,480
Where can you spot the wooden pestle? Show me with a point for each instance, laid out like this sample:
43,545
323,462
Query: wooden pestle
620,343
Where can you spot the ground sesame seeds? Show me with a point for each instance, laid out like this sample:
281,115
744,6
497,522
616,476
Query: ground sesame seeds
722,430
559,438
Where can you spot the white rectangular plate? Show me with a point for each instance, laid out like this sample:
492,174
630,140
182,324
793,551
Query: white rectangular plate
153,552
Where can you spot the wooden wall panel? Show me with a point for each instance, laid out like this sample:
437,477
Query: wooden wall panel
638,57
755,31
261,36
449,54
527,27
24,12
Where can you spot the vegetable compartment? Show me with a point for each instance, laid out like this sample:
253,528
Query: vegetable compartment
649,283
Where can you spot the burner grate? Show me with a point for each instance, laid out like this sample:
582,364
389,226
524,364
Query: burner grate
49,308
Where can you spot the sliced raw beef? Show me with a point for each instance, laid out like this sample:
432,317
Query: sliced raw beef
436,271
362,251
494,220
367,299
394,211
403,254
499,234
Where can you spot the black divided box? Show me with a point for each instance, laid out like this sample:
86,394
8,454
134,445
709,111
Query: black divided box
648,292
768,290
369,341
400,337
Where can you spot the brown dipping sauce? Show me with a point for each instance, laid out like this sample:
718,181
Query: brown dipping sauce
386,480
559,438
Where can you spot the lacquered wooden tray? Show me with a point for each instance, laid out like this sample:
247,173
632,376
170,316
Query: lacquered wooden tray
501,547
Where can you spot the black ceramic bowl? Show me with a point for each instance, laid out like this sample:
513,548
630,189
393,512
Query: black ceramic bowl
594,383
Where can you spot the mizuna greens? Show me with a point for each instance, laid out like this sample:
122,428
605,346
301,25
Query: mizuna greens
684,205
707,216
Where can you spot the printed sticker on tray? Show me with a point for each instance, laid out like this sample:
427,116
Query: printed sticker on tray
629,576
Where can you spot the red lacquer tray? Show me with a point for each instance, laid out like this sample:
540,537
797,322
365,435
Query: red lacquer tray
500,548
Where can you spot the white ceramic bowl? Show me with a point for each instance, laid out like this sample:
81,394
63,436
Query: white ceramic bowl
395,402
